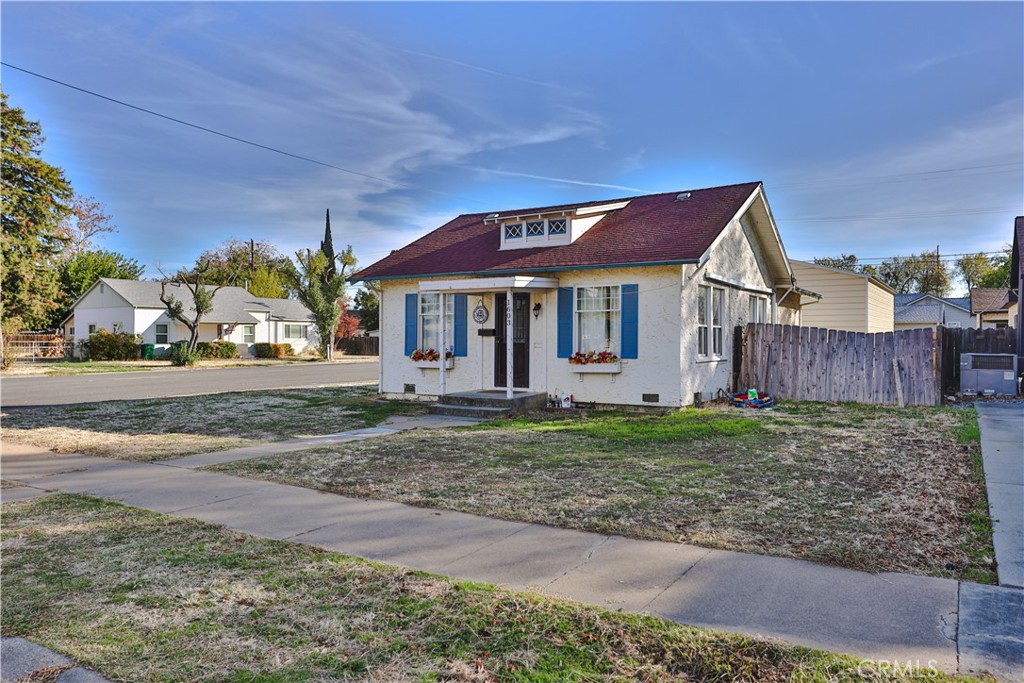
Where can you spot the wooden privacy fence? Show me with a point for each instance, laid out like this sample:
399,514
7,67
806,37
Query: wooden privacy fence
817,364
361,346
956,340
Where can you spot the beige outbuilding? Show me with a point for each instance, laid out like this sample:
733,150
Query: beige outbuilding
856,302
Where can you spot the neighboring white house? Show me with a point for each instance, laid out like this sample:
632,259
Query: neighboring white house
134,306
914,311
658,280
856,302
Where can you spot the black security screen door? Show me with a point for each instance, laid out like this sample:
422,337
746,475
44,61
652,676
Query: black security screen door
520,340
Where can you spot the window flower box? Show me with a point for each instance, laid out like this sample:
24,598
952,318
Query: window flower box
430,358
449,363
597,368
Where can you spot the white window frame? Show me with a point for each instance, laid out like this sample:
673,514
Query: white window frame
507,229
541,224
92,328
166,334
711,330
613,317
303,331
431,301
248,334
758,309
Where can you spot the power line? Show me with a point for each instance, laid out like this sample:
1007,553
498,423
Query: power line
244,141
897,176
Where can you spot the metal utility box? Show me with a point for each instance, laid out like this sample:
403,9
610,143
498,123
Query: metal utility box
988,374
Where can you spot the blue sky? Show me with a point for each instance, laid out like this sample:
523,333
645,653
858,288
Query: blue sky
878,128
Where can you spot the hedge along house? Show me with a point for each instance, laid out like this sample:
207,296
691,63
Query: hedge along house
134,306
652,284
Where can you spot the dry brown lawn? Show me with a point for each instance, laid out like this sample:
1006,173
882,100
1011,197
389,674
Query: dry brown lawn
141,596
164,428
863,487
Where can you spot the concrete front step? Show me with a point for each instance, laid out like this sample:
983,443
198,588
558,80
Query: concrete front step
485,412
496,399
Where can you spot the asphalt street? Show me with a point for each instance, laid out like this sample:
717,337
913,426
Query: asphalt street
119,386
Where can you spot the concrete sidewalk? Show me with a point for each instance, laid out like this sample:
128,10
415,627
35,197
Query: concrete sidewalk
883,616
1002,448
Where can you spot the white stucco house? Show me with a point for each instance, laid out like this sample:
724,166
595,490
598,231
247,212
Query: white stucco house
134,306
656,282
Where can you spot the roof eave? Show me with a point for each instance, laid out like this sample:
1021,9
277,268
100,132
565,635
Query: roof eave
550,269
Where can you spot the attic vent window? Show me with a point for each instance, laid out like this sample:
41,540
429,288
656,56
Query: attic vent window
534,228
556,226
682,196
513,230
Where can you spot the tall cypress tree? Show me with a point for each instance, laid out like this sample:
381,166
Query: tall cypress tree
327,247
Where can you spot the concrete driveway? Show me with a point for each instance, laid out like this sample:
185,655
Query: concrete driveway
118,386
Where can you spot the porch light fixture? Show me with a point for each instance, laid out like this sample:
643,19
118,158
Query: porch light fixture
536,310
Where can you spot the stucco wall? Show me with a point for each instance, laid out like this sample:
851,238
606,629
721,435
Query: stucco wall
737,256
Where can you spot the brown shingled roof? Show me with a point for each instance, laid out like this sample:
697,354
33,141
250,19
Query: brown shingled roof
985,299
650,229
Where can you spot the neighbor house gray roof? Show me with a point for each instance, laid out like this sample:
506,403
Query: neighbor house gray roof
986,299
230,304
929,299
923,313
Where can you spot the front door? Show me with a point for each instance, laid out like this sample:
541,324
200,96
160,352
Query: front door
520,340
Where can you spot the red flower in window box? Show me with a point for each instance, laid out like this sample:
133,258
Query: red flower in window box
592,358
430,355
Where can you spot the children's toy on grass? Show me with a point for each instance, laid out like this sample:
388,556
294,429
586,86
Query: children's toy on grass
752,399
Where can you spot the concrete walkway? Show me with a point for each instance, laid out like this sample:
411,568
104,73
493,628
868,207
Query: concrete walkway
991,632
20,657
879,616
1002,448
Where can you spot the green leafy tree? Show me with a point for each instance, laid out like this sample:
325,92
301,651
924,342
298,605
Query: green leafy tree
199,300
319,296
924,273
80,271
265,282
368,306
972,268
34,200
841,262
236,262
998,275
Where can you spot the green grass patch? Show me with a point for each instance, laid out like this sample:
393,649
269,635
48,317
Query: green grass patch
174,599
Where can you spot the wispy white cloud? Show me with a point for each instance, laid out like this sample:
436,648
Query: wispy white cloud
565,181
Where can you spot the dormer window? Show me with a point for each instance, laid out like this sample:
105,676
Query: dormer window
556,226
534,228
513,230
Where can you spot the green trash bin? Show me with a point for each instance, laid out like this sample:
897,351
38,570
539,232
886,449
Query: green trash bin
148,351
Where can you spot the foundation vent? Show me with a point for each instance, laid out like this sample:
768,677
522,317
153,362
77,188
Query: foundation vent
651,398
410,388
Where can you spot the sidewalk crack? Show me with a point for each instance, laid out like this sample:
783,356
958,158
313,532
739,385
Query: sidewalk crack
488,545
583,563
212,502
674,582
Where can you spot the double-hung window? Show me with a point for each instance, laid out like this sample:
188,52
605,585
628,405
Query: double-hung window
292,332
248,334
161,333
430,322
710,319
598,311
758,309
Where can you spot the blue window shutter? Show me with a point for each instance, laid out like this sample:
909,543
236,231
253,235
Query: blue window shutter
412,305
460,324
630,320
565,343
